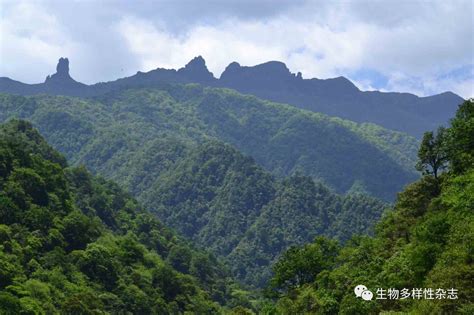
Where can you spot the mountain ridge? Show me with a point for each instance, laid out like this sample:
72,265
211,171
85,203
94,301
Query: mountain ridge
273,81
282,138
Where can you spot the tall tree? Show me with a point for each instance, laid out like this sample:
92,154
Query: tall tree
461,148
432,155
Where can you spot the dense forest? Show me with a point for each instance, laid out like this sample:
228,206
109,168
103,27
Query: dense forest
132,135
73,243
236,157
224,201
265,196
165,148
425,243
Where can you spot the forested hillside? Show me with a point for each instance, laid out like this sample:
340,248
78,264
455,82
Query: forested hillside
132,135
319,161
426,242
225,202
72,243
166,146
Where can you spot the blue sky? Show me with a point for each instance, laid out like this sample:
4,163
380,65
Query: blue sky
423,47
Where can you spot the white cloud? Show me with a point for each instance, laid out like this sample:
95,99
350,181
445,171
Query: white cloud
30,39
414,44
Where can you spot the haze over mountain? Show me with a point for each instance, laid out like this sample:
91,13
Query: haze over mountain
273,81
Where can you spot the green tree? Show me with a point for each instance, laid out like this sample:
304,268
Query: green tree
300,265
69,244
180,258
426,241
9,304
432,155
461,148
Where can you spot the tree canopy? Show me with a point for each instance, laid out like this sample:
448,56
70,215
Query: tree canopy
72,243
426,242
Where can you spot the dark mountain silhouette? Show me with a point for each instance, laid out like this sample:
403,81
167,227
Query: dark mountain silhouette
340,97
59,83
273,81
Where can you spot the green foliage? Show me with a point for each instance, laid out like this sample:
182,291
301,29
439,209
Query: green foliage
220,199
432,156
223,201
461,148
132,136
71,243
300,265
426,242
175,149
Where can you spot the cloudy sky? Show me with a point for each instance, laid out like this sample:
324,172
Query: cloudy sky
424,47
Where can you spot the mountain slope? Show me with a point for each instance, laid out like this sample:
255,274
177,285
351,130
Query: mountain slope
285,140
223,201
300,211
72,243
166,147
119,134
159,149
214,196
273,81
426,242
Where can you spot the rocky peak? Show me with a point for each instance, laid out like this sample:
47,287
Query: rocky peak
197,70
62,72
61,81
196,63
233,66
63,66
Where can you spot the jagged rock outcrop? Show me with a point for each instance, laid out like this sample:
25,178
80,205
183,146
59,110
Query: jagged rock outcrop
273,81
62,71
196,70
61,82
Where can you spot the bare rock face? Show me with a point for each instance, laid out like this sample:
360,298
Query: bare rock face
62,83
62,73
63,67
196,70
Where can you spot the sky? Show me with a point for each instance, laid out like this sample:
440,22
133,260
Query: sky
421,47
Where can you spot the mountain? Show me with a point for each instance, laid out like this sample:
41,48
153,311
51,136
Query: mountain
425,244
58,83
340,97
223,201
124,135
178,150
61,82
76,244
274,81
